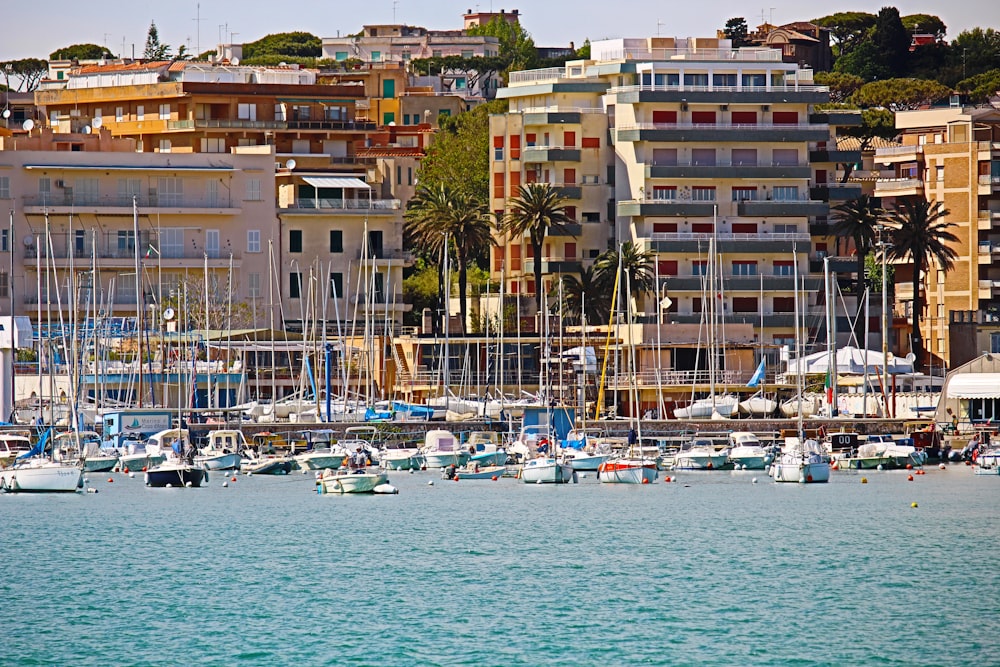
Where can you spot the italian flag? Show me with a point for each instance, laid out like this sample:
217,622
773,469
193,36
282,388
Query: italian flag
828,384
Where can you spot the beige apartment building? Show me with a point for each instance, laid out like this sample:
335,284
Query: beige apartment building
951,155
76,200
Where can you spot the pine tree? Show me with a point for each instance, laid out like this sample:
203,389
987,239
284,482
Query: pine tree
154,50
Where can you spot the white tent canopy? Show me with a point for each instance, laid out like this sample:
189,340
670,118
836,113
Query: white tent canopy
849,361
975,385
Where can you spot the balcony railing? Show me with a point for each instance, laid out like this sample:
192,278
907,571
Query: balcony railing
724,163
726,236
892,184
346,204
536,75
741,55
740,127
711,88
986,179
78,199
560,109
652,377
898,150
382,254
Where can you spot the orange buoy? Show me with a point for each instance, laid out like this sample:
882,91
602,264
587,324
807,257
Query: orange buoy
455,478
864,480
494,478
125,470
809,478
909,478
111,480
666,479
909,466
144,468
233,478
834,467
709,466
645,480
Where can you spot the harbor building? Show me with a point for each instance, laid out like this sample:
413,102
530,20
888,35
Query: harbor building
950,155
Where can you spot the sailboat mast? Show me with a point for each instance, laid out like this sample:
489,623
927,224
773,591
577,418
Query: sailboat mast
138,294
831,354
798,338
208,355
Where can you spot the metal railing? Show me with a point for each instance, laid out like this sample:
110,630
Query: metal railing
726,236
560,109
725,163
898,150
898,183
535,75
346,204
987,179
742,127
69,198
743,55
715,88
383,254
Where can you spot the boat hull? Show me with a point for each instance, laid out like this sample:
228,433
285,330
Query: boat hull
754,462
547,471
100,463
802,472
445,459
483,473
269,467
140,461
587,462
321,462
624,472
44,478
176,475
497,458
395,460
219,461
347,482
699,461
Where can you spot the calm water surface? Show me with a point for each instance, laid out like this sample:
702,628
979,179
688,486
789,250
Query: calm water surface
712,570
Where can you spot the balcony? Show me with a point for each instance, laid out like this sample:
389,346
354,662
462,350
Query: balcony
383,257
744,283
835,192
551,118
305,206
115,252
840,157
801,94
839,119
893,154
723,133
555,265
771,320
728,170
988,289
986,179
568,229
550,154
570,191
690,242
666,208
988,250
782,208
67,201
898,187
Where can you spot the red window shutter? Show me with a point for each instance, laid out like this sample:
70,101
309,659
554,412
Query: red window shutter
531,286
569,139
590,142
570,250
820,176
785,117
515,180
515,258
702,227
664,227
703,117
696,304
745,304
744,228
667,267
784,304
744,118
571,212
498,183
515,287
663,116
820,247
515,147
498,257
498,141
529,251
569,177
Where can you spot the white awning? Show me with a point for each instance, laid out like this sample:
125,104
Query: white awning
336,182
974,385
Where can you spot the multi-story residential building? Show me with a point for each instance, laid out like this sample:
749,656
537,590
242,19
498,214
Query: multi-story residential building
950,155
76,199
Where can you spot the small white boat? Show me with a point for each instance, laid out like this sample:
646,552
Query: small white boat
808,405
321,458
400,459
475,472
487,448
713,407
627,471
13,445
41,475
746,453
700,454
140,455
547,470
441,449
801,461
533,441
348,481
222,451
758,405
84,446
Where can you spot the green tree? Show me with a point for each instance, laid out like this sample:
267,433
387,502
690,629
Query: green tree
28,71
443,214
589,291
857,220
974,52
517,47
924,24
841,84
980,88
736,30
875,124
537,209
154,49
848,29
288,44
636,267
863,61
920,233
901,94
891,40
421,289
81,52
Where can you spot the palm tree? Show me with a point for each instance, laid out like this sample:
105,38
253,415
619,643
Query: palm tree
858,219
537,208
443,219
589,292
636,266
921,233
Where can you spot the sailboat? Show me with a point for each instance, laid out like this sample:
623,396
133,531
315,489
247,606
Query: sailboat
802,459
33,471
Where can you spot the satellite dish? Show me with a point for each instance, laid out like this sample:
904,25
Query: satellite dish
96,123
28,241
169,314
392,123
6,113
290,165
235,61
86,129
28,125
910,357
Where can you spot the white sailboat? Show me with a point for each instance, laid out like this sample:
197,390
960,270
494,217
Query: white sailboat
37,473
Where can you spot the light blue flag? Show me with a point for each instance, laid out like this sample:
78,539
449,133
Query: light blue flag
758,375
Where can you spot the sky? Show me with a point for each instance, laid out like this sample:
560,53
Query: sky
28,32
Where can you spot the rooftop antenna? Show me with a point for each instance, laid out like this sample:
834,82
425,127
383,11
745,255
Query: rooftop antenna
198,21
658,24
394,3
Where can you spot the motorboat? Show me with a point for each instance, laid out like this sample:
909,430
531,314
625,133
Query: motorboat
222,451
627,470
41,475
320,451
713,407
758,405
472,471
802,460
179,468
256,463
400,458
700,454
84,446
12,445
365,437
342,481
441,449
140,455
485,449
586,449
534,440
547,470
746,452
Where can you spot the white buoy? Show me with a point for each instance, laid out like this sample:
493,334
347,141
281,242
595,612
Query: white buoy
942,466
170,486
754,480
430,483
304,471
131,474
225,484
250,474
86,480
583,475
411,471
879,466
385,488
538,482
189,485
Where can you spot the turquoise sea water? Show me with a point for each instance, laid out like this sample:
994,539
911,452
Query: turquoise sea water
710,570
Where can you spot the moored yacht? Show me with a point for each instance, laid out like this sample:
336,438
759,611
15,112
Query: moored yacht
746,452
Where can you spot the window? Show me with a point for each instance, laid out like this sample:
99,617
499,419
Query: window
87,190
590,142
4,284
165,145
785,157
4,240
170,191
336,240
664,157
140,113
744,228
667,267
498,149
126,243
253,189
664,227
703,228
409,175
340,56
498,257
703,157
498,185
754,80
466,53
744,157
703,117
569,139
664,116
784,304
786,229
569,176
119,114
724,80
699,267
939,170
212,243
664,192
294,240
696,79
995,343
253,240
703,193
376,56
744,117
745,304
515,147
786,193
336,285
213,145
744,194
515,258
279,112
212,193
253,285
164,112
744,268
571,212
785,117
591,217
171,243
529,139
569,251
4,187
294,285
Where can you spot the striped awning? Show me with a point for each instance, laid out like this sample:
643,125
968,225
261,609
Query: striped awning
336,182
974,385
